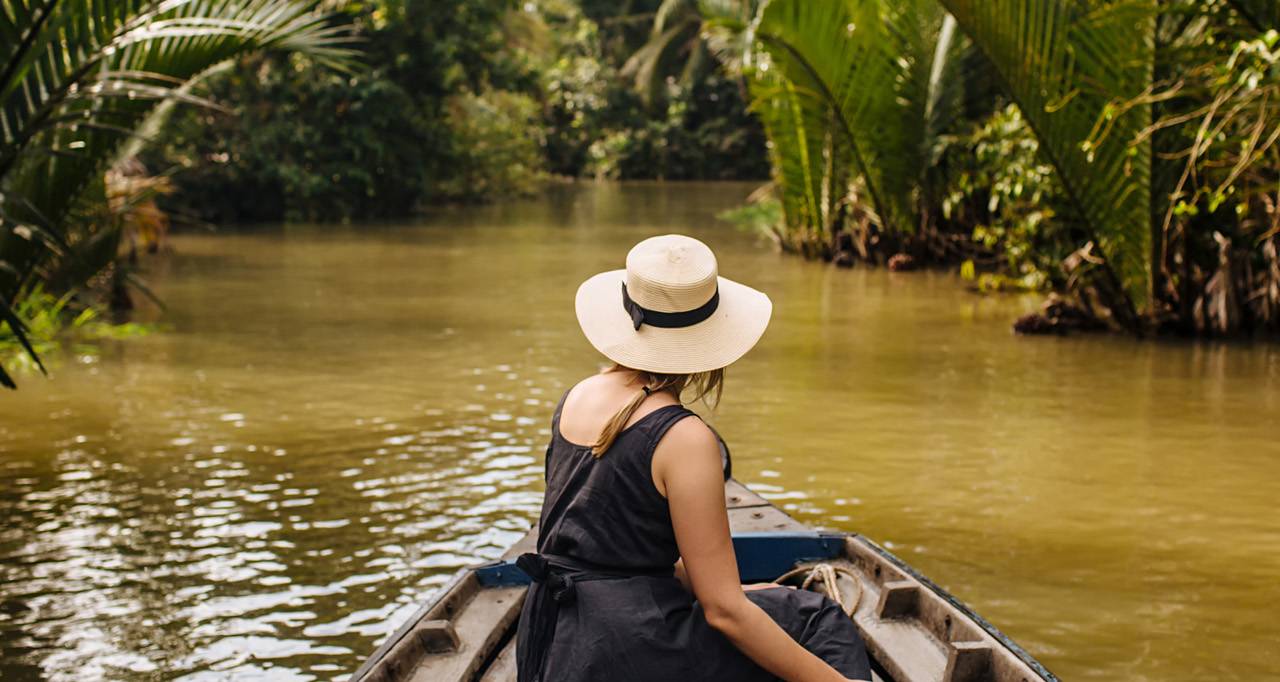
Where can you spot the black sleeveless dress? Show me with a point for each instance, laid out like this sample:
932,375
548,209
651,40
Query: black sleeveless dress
605,605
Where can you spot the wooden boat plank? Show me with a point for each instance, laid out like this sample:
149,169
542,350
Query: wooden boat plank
482,627
937,620
737,496
385,665
902,648
503,668
767,518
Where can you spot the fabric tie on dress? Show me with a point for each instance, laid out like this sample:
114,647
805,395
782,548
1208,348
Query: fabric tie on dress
555,587
539,570
555,581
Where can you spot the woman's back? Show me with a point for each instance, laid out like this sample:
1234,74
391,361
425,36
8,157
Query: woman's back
605,510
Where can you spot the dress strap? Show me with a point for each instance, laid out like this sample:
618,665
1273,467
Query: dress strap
663,418
555,415
725,458
674,413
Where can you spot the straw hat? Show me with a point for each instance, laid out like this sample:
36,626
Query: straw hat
669,312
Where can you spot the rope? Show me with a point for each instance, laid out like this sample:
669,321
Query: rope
827,575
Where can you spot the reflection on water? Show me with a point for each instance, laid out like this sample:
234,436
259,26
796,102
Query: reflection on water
342,416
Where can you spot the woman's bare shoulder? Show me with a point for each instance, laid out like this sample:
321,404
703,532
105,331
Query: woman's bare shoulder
688,456
688,440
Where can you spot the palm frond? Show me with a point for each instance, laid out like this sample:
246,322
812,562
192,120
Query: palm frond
1066,64
810,165
19,330
646,66
78,78
886,70
837,56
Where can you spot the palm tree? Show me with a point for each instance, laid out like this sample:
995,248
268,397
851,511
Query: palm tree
79,78
871,90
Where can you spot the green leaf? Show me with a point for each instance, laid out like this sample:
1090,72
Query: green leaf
839,59
19,330
1066,63
889,75
82,75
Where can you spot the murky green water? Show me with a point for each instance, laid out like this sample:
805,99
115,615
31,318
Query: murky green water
343,416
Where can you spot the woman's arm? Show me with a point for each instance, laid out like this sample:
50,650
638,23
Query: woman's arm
687,470
678,570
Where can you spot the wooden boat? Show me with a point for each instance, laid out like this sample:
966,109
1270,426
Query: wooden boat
914,631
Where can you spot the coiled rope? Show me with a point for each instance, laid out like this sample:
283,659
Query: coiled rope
827,576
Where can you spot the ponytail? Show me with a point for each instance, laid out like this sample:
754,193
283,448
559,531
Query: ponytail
619,420
704,384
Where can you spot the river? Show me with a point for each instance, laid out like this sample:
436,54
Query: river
338,417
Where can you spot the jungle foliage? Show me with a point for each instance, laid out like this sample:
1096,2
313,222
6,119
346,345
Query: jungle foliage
1149,193
458,101
78,79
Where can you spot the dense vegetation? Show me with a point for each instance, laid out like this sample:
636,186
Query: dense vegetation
1122,151
459,100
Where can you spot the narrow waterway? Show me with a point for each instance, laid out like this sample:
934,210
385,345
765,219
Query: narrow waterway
339,417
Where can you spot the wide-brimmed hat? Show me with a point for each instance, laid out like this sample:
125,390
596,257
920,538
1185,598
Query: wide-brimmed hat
669,311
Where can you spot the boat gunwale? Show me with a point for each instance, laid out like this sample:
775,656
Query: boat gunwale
458,580
995,632
433,602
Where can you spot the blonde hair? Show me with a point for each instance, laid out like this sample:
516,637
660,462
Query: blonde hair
706,386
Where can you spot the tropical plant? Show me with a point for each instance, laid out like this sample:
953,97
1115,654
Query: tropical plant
498,155
810,158
1066,64
1001,185
1159,119
1153,116
857,90
675,38
1217,160
597,124
50,321
309,143
78,78
677,47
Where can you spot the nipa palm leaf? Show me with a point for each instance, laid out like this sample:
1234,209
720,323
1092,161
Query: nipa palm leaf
1067,63
839,58
810,164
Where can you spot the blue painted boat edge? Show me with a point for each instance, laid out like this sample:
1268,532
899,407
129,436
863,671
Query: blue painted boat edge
983,623
762,556
765,555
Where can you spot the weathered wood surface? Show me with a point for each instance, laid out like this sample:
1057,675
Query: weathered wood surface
913,630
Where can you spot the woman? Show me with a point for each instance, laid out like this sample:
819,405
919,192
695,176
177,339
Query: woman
635,578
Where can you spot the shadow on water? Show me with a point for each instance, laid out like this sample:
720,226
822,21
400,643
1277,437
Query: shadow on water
341,416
